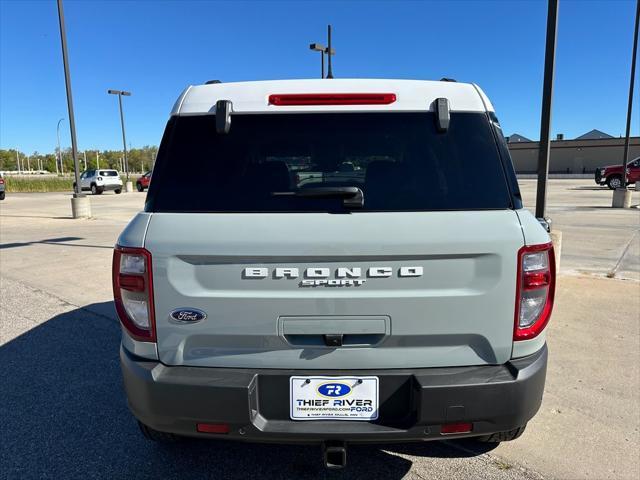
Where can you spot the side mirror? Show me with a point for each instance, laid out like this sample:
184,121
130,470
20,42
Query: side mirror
223,116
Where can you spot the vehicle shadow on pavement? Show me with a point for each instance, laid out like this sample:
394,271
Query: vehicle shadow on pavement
37,216
64,241
597,207
64,415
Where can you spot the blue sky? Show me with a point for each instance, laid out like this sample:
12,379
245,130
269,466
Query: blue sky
155,49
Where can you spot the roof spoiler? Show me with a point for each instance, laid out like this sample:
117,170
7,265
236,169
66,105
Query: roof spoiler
223,115
442,114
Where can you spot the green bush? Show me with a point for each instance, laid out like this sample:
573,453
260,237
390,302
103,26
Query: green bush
38,184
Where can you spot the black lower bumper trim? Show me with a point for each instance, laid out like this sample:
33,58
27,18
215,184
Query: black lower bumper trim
414,403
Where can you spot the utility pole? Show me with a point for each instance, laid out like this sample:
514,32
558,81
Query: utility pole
80,206
621,195
97,159
545,119
28,163
17,160
85,160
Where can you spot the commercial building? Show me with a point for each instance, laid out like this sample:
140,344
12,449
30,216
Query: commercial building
581,155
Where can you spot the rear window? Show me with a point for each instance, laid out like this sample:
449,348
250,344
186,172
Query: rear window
398,160
108,173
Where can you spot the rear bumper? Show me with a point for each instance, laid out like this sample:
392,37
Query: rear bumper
413,403
111,186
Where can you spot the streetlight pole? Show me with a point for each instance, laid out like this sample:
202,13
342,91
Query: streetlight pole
120,93
59,156
621,196
545,119
72,123
329,53
318,47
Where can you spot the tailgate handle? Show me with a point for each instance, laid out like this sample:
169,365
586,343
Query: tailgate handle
334,331
333,340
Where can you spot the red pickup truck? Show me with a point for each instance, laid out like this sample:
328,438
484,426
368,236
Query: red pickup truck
612,174
143,182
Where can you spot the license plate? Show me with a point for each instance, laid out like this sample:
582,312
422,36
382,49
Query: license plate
333,398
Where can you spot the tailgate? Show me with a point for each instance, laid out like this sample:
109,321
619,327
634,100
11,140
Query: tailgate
399,290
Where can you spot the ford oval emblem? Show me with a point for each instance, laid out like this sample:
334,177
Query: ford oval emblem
334,389
188,315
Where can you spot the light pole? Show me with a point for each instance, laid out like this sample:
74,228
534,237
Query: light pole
318,47
79,204
545,118
120,93
329,52
59,156
622,196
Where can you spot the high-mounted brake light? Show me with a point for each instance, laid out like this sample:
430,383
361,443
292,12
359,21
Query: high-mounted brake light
535,290
133,292
287,99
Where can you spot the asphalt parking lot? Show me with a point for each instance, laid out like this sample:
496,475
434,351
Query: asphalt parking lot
64,415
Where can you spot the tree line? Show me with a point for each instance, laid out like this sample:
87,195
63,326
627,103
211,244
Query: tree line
140,160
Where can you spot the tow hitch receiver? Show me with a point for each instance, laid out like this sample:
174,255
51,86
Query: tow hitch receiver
335,454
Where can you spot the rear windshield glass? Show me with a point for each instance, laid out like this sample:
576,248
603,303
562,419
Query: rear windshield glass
108,173
266,162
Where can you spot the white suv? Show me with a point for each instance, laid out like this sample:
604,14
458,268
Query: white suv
351,263
100,180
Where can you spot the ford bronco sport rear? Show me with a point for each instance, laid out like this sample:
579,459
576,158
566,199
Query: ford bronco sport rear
335,261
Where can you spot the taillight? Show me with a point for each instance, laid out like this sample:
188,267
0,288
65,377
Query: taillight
286,99
133,292
535,290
